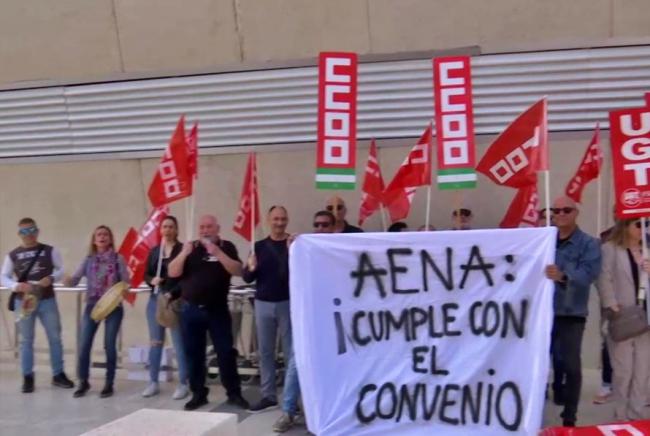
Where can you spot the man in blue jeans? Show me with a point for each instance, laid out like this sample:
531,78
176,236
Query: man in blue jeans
324,222
577,265
33,268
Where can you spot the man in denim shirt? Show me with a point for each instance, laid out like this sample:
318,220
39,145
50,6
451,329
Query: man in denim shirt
577,265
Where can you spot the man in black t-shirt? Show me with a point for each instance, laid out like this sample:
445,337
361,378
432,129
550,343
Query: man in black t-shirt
204,268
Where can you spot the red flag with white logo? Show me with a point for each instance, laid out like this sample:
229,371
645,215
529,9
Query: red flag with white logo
520,151
337,121
588,170
373,186
248,216
172,180
629,131
415,171
524,209
136,246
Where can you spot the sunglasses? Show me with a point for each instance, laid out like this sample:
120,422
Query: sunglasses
322,224
338,207
463,212
25,231
565,210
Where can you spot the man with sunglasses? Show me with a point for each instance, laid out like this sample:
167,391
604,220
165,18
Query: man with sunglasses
33,268
577,265
461,219
323,223
336,206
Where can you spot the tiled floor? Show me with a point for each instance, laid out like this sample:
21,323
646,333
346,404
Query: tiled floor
52,411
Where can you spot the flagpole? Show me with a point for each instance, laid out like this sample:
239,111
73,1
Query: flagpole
382,213
188,225
644,250
253,197
547,195
192,208
599,206
159,267
428,218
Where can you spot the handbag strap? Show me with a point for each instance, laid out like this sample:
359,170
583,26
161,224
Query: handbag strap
25,273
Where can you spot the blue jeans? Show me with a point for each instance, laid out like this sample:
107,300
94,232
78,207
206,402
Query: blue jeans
48,312
271,318
291,387
88,329
157,338
196,321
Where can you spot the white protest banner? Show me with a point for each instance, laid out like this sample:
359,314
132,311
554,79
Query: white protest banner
443,333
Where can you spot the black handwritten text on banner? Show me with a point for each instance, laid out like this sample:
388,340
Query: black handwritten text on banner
446,332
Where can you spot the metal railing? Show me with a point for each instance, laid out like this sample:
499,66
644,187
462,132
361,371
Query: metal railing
238,297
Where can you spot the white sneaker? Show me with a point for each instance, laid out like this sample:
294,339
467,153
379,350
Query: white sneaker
151,390
181,392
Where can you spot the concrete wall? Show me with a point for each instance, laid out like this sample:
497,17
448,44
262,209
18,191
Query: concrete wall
72,40
81,40
69,199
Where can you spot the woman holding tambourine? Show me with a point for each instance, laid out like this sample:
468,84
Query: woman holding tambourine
104,270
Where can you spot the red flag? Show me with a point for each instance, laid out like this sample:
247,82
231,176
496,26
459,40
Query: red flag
172,181
126,248
629,428
520,151
647,99
415,171
588,170
243,223
136,246
193,152
373,186
629,131
524,209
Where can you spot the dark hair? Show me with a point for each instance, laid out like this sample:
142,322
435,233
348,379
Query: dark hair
326,213
27,220
463,212
275,206
173,219
399,226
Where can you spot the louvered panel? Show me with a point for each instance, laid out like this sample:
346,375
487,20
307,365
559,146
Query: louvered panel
278,106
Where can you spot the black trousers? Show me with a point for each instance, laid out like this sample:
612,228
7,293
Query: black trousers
567,347
195,322
607,365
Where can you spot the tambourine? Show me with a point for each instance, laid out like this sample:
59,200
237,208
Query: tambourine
28,304
30,299
109,301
